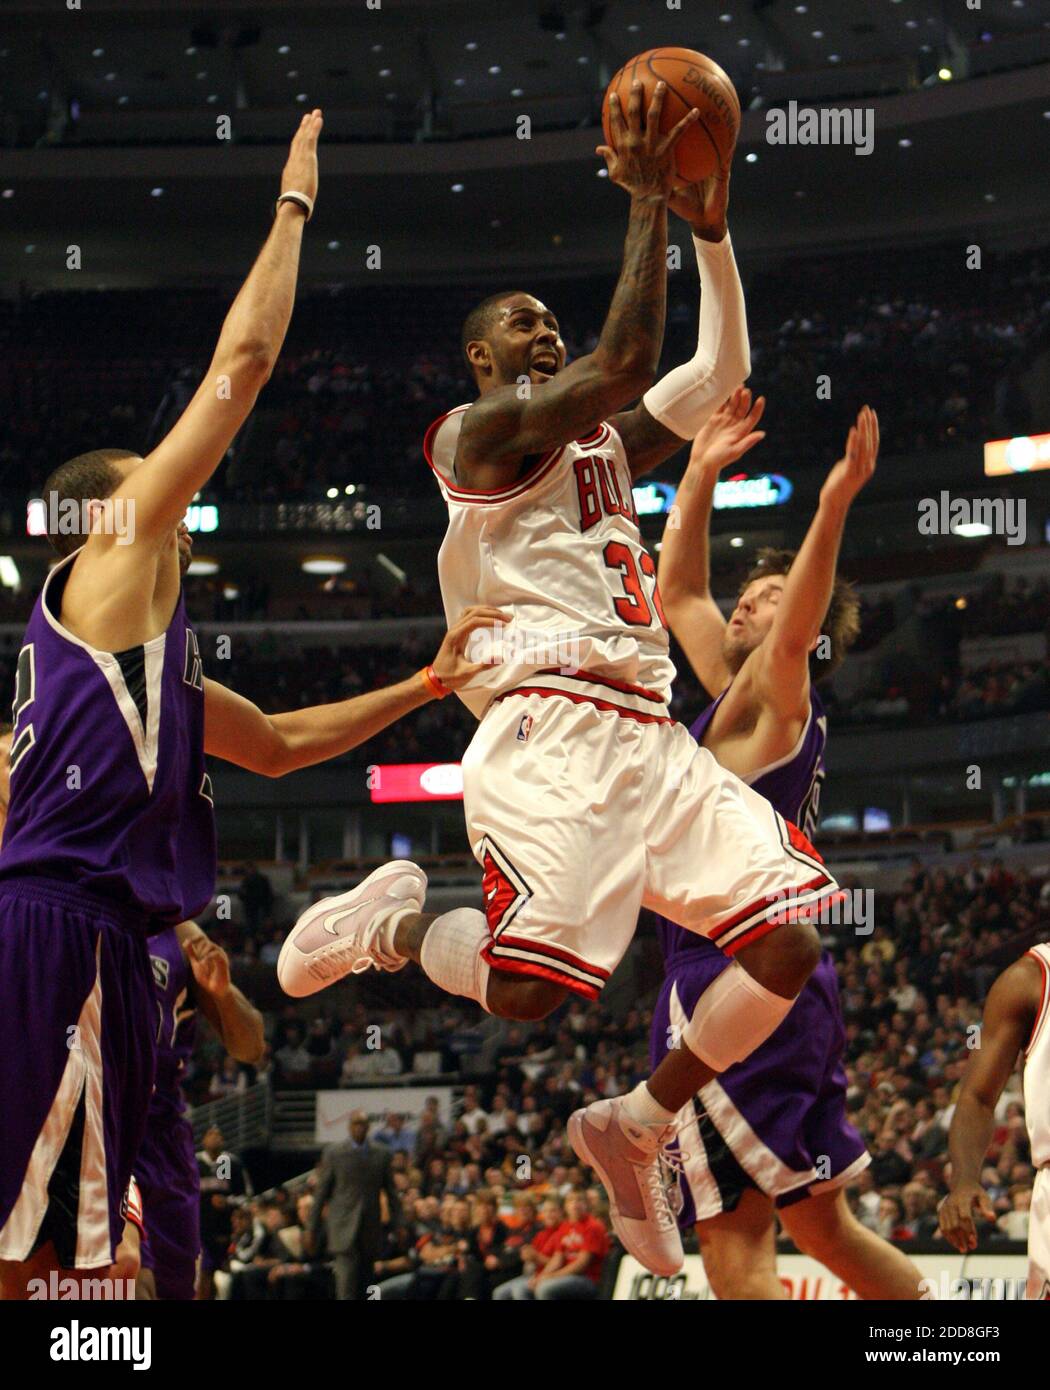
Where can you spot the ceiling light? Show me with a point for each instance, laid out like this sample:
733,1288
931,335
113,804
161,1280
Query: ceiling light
972,528
945,74
323,564
736,542
751,158
200,565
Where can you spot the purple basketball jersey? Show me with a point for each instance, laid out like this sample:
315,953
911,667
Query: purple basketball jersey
108,783
176,1024
791,785
777,1120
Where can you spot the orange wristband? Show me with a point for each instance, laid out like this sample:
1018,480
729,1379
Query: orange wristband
433,683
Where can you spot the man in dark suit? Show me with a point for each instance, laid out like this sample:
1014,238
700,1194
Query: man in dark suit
352,1175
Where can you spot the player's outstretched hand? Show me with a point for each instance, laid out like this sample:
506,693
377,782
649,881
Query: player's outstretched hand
858,463
210,965
300,171
466,641
956,1215
704,205
640,159
729,433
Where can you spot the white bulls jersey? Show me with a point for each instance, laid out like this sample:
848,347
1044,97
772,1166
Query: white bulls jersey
561,551
1037,1070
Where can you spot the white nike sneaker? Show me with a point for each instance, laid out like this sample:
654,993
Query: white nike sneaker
626,1156
342,935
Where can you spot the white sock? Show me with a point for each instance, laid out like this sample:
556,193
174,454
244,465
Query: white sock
451,953
644,1110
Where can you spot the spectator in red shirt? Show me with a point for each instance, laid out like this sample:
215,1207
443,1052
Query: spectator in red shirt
580,1247
535,1255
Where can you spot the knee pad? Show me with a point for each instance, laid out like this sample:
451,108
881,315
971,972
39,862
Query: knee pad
732,1017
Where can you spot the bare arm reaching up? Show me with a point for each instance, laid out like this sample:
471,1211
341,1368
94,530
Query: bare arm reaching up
118,594
781,662
685,570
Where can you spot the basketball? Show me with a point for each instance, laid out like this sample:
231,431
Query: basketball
693,80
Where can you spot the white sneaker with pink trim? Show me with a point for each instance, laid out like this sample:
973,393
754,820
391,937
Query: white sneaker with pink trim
343,935
627,1158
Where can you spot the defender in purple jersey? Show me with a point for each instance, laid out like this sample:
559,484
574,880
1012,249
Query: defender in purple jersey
110,834
772,1131
190,972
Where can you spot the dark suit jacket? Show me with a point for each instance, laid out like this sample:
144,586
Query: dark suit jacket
351,1180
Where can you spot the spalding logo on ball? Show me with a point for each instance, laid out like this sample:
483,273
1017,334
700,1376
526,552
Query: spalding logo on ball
693,80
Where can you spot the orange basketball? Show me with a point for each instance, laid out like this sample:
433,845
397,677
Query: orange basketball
692,80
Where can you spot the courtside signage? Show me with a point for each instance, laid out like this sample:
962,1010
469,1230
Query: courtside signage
416,782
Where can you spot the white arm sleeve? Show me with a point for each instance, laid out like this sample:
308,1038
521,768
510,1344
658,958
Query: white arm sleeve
684,398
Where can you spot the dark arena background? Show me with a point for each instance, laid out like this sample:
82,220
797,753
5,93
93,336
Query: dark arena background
889,212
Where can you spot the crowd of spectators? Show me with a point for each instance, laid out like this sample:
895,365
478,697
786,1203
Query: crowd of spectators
366,369
911,994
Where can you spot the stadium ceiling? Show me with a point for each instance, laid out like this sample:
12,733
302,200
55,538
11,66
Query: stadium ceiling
417,56
109,130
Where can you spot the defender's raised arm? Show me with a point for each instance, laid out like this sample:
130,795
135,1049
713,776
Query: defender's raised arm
244,358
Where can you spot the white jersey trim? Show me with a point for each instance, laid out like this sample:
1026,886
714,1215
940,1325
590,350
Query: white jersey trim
145,740
752,777
453,491
1041,953
81,1075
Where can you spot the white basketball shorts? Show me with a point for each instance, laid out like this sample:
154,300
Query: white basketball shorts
585,801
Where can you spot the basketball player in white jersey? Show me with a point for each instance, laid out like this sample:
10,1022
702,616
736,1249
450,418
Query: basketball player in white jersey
1016,1020
583,799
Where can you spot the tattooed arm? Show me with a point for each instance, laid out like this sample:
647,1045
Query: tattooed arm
500,429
